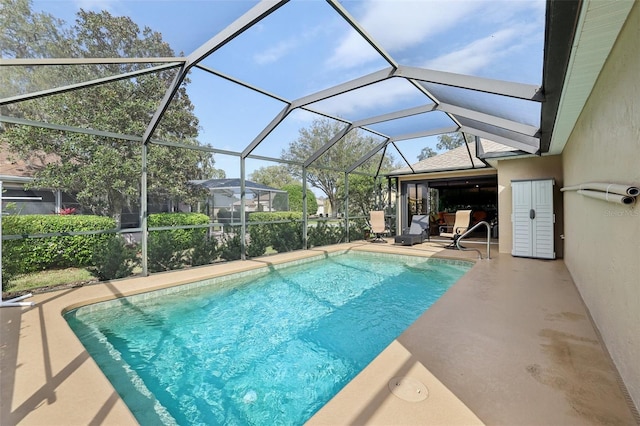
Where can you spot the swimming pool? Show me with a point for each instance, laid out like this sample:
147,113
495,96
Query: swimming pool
270,346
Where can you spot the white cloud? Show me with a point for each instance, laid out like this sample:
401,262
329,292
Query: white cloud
398,28
384,94
275,53
474,56
405,24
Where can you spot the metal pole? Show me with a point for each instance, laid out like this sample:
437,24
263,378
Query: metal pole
243,224
143,211
305,221
346,205
16,301
58,197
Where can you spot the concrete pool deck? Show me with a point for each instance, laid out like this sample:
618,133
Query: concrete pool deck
511,343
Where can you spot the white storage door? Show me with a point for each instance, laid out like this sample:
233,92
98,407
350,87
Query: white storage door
533,219
522,229
542,193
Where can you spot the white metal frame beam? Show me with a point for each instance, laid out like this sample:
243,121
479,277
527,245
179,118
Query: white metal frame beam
348,86
90,83
479,84
426,133
532,148
492,120
327,145
240,25
395,115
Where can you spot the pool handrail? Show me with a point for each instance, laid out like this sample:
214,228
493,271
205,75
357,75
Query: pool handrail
485,223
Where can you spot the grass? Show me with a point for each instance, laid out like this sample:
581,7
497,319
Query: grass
49,278
60,277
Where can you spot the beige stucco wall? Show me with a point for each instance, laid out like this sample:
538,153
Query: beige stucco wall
602,246
523,169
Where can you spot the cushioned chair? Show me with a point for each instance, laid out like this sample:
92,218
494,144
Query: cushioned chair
416,232
460,226
378,226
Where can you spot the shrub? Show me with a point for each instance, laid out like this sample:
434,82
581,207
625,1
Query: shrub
34,254
286,236
114,260
205,251
324,234
357,228
182,238
230,249
167,249
258,240
164,254
281,236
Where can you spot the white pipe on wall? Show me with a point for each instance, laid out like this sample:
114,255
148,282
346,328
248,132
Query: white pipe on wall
609,188
608,196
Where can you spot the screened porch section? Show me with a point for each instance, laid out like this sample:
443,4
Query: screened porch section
224,201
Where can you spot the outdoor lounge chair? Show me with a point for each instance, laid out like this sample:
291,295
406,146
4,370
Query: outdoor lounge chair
460,226
378,226
416,232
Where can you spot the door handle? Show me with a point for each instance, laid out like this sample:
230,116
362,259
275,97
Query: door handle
532,214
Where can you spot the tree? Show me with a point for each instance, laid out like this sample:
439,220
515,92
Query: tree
27,34
273,176
426,152
449,141
103,172
294,190
446,142
352,147
362,190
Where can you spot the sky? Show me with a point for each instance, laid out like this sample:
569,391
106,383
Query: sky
305,46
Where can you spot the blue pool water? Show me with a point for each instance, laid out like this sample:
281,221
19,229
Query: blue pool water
265,348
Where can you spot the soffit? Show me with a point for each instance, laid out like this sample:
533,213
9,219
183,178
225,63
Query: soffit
598,28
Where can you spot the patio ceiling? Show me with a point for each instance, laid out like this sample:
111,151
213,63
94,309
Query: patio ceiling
411,101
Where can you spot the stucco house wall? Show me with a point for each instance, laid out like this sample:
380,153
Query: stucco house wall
602,246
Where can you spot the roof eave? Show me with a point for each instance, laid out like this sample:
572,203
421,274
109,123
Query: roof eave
561,25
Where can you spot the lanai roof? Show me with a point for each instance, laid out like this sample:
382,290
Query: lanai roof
399,93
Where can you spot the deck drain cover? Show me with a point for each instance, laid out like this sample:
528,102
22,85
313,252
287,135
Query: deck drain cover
408,389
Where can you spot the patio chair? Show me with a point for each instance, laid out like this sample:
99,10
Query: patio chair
378,226
460,226
416,232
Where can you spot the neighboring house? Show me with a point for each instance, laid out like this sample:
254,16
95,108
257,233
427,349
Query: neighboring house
16,174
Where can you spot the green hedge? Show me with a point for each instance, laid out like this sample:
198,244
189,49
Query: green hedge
181,238
281,237
34,254
326,233
167,250
274,216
